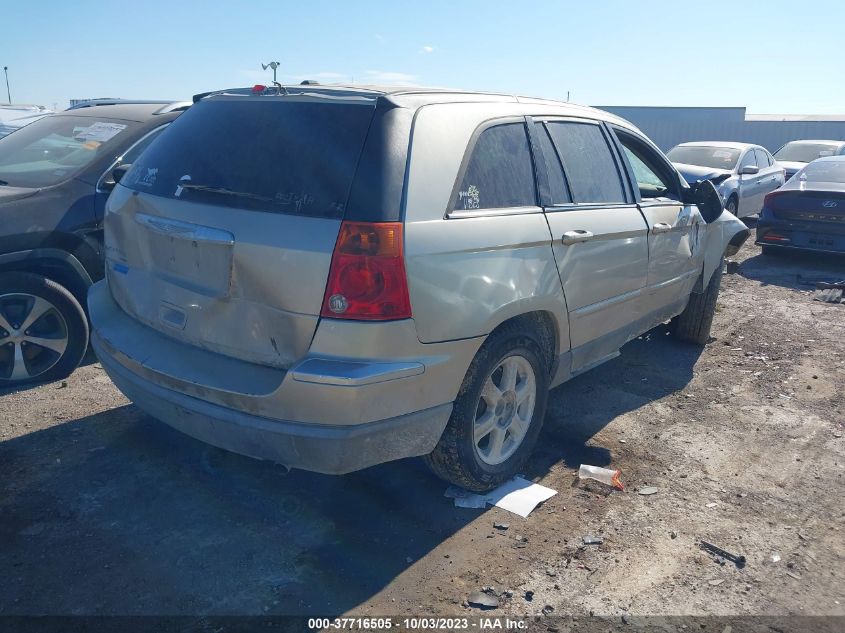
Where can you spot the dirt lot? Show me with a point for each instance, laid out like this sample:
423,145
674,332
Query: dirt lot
105,511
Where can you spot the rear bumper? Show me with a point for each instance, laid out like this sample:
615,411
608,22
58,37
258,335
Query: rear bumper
321,448
819,237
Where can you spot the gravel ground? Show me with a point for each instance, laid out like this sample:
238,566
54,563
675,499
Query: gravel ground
105,511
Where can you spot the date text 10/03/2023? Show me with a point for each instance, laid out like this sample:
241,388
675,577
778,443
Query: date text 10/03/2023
419,624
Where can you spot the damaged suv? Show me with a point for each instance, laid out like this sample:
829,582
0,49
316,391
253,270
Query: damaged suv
333,277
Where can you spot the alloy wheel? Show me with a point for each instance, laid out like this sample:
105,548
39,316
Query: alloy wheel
33,336
505,410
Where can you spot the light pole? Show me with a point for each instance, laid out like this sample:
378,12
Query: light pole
274,66
8,92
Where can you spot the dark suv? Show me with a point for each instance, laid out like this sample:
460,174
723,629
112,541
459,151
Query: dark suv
55,177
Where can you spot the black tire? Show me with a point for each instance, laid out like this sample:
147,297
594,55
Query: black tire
733,205
693,324
771,251
64,316
455,458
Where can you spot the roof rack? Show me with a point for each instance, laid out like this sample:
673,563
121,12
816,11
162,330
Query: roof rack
91,103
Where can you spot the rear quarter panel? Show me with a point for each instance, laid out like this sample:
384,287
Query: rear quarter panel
467,275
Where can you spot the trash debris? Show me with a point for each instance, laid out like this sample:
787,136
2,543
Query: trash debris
712,504
529,595
548,609
551,572
518,495
648,490
829,292
716,581
592,540
465,498
482,600
603,475
795,576
63,385
775,557
501,526
737,559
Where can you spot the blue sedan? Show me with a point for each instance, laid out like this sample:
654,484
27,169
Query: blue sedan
808,212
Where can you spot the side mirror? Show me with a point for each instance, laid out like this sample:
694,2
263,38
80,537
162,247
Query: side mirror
116,174
749,170
703,194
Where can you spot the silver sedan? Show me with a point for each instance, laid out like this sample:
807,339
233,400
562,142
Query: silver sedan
743,173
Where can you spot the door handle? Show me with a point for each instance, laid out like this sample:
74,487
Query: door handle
661,227
573,237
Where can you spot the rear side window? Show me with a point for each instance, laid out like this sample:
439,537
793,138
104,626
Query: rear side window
499,173
590,169
274,155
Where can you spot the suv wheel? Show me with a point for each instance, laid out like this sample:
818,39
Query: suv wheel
497,415
693,324
43,330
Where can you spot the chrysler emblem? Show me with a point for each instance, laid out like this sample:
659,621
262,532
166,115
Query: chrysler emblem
829,204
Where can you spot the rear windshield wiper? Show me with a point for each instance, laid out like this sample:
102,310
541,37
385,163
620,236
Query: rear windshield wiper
225,192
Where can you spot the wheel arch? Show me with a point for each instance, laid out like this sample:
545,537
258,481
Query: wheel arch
54,264
723,237
544,325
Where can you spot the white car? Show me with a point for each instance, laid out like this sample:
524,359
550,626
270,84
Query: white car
14,117
795,154
742,173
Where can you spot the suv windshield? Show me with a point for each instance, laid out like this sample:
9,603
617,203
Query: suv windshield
705,156
804,152
55,148
278,154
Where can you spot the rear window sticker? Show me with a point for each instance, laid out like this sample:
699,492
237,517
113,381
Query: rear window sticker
100,131
470,198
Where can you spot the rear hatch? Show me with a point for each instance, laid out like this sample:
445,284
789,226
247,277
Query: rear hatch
808,205
221,234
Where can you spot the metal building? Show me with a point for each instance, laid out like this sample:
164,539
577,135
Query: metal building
672,125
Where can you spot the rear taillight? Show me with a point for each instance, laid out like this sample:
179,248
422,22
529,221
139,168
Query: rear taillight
770,197
367,278
775,237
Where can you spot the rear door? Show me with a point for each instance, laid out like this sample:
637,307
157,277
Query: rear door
221,234
771,176
599,237
674,253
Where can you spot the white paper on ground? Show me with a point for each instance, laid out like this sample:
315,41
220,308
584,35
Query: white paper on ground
518,495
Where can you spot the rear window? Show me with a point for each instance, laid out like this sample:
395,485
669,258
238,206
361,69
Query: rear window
499,173
275,155
824,171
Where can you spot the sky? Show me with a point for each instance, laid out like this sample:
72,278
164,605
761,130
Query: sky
771,56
